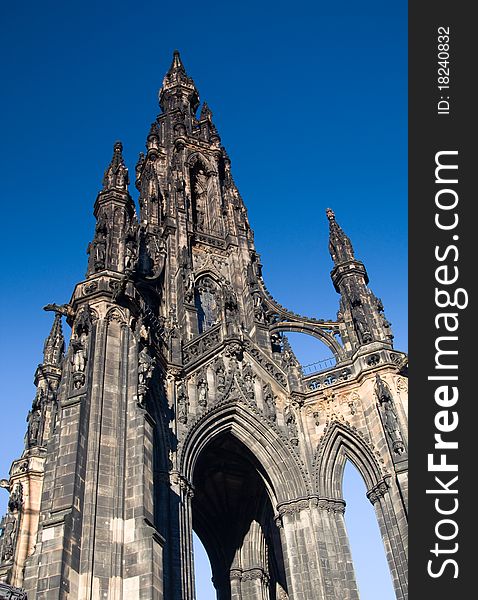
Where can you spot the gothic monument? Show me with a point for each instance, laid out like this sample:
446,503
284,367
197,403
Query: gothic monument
179,403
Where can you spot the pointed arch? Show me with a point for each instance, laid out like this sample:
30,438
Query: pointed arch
310,329
339,443
284,475
198,157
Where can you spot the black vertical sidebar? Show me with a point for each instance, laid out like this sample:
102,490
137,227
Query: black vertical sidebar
443,243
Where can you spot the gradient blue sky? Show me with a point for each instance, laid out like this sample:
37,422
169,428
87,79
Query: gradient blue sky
310,99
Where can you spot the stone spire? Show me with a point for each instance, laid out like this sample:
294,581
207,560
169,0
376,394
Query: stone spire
54,347
361,313
340,247
115,219
116,175
178,90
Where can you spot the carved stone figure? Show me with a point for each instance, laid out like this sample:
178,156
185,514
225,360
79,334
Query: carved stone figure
79,353
291,424
15,501
203,389
34,422
129,254
206,303
8,525
361,326
183,404
382,390
231,309
220,375
392,428
201,186
146,365
269,402
248,377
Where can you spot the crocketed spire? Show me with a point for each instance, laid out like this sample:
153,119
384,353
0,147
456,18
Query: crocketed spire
340,246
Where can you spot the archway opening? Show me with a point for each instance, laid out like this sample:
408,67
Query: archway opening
370,563
312,354
233,518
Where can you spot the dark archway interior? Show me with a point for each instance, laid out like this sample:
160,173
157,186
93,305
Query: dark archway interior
233,517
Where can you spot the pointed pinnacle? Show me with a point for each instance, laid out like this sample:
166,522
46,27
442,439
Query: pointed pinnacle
340,246
206,112
177,63
54,343
116,174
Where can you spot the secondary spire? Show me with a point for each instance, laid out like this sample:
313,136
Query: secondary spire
340,246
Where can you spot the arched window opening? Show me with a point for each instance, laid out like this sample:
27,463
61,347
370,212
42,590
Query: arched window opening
206,302
202,572
370,563
312,354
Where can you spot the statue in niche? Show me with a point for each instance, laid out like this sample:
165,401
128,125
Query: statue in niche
220,375
276,342
39,399
291,425
146,364
183,404
206,304
34,422
248,377
203,389
187,274
269,402
79,358
259,308
390,420
382,391
100,252
130,251
360,325
149,187
231,308
8,525
16,497
98,247
201,186
200,190
392,428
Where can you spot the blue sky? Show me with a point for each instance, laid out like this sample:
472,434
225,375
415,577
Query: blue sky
310,99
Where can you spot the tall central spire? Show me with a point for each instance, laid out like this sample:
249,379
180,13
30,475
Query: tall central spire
178,90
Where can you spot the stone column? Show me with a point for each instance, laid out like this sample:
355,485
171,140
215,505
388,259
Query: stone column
393,527
334,549
303,562
183,587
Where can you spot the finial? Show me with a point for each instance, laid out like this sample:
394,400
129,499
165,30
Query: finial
330,214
